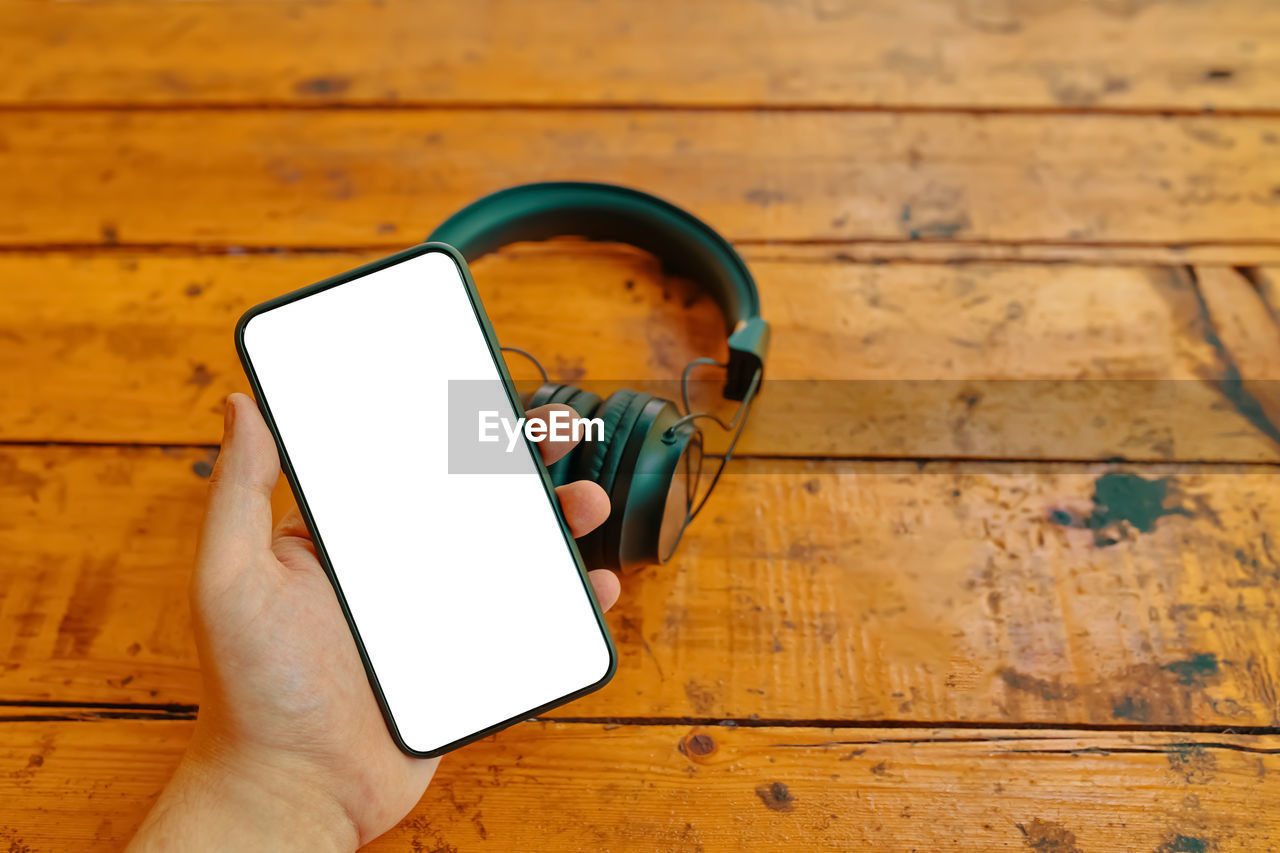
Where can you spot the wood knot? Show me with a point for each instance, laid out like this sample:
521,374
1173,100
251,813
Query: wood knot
700,745
696,746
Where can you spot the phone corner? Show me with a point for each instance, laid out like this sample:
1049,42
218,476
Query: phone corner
448,249
611,668
242,326
424,755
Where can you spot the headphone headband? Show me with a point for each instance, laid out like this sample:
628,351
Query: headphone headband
686,245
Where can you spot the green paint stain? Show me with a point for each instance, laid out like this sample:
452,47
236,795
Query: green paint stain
1122,498
1129,708
1246,404
1128,497
1184,844
1194,670
944,230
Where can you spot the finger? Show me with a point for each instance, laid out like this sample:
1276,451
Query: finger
606,586
584,504
238,518
292,529
553,449
291,525
291,541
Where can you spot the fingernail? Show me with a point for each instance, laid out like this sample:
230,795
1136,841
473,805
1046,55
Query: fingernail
229,416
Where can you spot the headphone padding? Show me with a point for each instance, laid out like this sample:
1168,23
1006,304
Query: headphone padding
599,462
592,462
621,440
564,394
585,403
545,394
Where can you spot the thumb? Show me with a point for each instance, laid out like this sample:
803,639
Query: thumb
237,522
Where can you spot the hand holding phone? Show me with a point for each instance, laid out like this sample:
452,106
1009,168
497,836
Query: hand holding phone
498,613
290,743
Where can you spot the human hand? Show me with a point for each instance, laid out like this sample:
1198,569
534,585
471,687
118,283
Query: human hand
290,749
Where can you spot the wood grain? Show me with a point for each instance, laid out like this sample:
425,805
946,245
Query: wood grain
809,591
1039,175
539,786
920,54
355,178
975,360
960,251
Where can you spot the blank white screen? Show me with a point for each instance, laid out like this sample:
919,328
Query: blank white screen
462,588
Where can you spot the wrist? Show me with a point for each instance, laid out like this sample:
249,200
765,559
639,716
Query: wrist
218,800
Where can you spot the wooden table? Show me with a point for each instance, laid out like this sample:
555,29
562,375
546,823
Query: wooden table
1026,601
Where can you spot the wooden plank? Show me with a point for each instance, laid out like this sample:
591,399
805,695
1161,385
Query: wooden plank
539,786
978,360
920,53
111,587
358,178
1084,254
808,591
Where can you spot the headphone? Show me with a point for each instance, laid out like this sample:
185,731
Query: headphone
649,458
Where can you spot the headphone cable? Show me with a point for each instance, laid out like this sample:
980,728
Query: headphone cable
739,419
545,379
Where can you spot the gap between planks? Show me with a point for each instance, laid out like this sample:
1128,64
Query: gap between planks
635,106
13,711
853,251
921,461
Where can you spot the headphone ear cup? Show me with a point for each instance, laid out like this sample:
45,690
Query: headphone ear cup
645,472
600,461
584,403
632,463
546,393
591,461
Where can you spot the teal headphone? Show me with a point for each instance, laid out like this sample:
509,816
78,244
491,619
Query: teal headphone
649,458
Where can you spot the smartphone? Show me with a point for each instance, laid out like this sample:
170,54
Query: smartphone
464,591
